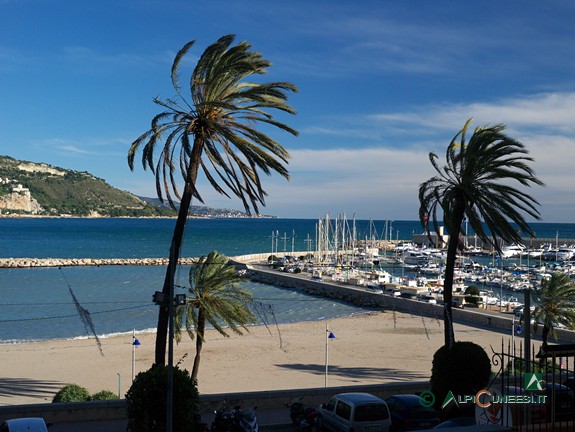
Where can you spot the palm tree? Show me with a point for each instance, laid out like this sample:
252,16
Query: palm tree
213,129
555,299
476,183
216,298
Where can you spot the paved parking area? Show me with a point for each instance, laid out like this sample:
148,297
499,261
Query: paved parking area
274,420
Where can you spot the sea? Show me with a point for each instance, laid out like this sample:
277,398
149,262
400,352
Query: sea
37,303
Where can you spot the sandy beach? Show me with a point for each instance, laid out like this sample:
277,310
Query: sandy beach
370,349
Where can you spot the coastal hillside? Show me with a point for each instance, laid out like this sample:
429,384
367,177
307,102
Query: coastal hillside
39,189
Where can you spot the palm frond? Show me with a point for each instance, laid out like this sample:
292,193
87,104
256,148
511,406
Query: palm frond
476,183
219,117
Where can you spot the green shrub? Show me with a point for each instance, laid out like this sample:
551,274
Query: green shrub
272,259
104,395
463,370
72,393
146,401
472,295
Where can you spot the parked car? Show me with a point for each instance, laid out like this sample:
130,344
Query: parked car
564,405
569,382
374,289
457,422
354,412
518,311
25,424
538,411
407,413
457,303
428,299
317,278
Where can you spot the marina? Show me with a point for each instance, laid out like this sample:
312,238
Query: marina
113,266
414,269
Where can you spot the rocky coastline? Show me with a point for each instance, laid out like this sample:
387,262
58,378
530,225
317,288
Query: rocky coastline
68,262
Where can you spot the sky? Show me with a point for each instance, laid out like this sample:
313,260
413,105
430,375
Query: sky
381,85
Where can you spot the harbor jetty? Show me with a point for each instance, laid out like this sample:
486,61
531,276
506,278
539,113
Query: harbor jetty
69,262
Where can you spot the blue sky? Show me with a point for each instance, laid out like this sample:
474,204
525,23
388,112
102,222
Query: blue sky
381,84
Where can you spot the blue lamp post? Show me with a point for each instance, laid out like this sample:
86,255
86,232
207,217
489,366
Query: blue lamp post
328,335
135,343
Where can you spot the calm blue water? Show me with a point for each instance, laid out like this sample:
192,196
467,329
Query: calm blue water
36,303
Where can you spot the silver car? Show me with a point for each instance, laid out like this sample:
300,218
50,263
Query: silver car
357,412
26,424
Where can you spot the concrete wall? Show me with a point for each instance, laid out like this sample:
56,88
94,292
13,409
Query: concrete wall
264,400
67,412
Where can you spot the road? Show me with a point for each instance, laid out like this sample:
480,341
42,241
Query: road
272,420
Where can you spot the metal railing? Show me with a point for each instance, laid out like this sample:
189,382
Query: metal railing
534,392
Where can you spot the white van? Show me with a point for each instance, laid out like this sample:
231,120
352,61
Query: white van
355,412
26,424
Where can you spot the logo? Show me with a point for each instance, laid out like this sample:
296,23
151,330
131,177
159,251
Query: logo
426,399
449,399
489,398
534,382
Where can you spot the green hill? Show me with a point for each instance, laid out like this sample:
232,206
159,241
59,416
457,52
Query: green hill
45,190
29,188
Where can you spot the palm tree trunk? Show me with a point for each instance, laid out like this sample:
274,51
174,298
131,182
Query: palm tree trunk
199,343
448,291
452,247
177,238
176,245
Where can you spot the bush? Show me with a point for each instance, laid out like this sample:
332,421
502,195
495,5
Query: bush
146,401
463,370
104,395
472,295
72,393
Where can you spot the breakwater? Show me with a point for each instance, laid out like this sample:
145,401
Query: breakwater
68,262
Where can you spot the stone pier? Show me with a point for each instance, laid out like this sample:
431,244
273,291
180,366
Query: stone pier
68,262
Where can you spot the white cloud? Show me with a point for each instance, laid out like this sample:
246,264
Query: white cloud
382,183
546,110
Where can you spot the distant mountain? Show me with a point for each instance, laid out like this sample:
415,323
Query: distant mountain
29,188
203,211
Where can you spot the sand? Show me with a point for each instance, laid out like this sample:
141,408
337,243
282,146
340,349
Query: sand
370,349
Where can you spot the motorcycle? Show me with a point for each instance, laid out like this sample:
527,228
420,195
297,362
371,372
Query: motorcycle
302,416
223,420
245,420
235,420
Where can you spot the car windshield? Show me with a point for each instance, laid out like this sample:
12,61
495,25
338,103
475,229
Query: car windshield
371,412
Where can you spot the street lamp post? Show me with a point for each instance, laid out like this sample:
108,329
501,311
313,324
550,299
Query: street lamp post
328,335
513,330
135,344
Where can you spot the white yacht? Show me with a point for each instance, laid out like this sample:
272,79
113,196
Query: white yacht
512,251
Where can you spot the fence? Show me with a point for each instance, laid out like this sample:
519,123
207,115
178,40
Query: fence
531,392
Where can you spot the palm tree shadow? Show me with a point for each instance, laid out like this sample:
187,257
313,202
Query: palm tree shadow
19,387
356,373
